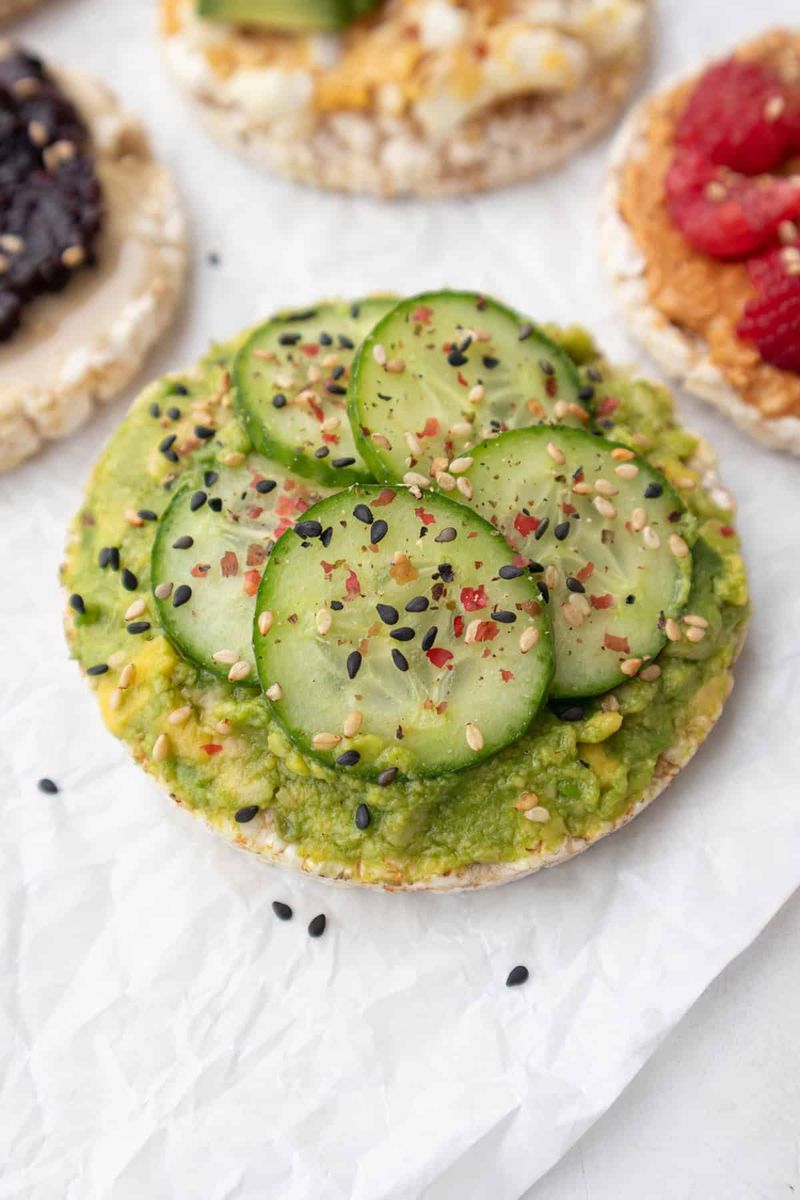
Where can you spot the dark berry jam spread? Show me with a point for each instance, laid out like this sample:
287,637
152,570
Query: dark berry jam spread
50,197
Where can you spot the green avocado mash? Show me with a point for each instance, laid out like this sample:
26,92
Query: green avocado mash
214,746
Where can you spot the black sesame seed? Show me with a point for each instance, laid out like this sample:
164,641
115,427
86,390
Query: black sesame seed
316,927
574,585
399,660
212,258
210,478
282,911
97,669
429,638
363,816
167,443
652,491
243,815
573,712
386,777
504,617
171,456
348,759
215,504
335,389
418,604
446,572
138,627
353,663
594,375
544,591
525,331
447,535
511,572
546,367
154,410
337,372
388,614
378,532
517,976
289,339
181,595
147,514
342,462
265,485
174,413
179,389
535,567
197,500
346,343
129,580
322,452
630,599
490,362
586,392
456,358
183,542
104,557
203,432
362,512
325,339
403,634
325,537
540,531
279,401
308,529
77,603
47,786
337,605
561,530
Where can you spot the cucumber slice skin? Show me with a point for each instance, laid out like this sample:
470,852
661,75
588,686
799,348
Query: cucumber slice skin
319,687
233,546
387,404
292,434
286,16
512,478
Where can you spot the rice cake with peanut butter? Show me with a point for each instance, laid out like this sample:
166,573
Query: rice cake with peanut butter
424,97
92,250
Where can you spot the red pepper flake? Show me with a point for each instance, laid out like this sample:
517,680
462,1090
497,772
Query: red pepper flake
550,385
211,747
526,525
292,618
352,586
568,509
605,601
426,517
506,676
473,598
254,512
250,582
519,560
585,572
474,534
229,564
578,476
422,314
199,570
727,530
486,632
431,428
285,506
331,438
531,607
458,626
608,405
464,382
487,653
439,656
310,349
256,554
386,497
611,642
328,568
441,708
281,528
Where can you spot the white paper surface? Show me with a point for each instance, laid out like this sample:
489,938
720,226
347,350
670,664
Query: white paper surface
161,1033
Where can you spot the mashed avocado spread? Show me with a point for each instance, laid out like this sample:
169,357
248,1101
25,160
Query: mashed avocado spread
216,748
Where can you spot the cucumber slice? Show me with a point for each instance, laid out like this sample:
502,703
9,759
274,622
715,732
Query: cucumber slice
209,555
290,379
607,539
389,638
445,370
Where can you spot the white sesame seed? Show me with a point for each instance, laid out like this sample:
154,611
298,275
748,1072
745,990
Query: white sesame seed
379,439
379,354
526,801
672,630
445,481
12,243
573,616
126,676
37,133
560,409
638,520
581,602
228,657
117,659
582,488
234,458
630,666
352,723
414,479
459,465
73,256
465,487
472,631
412,441
239,670
605,487
695,634
552,576
325,741
626,470
461,429
537,814
324,620
133,518
528,639
474,736
604,507
695,619
650,538
135,610
179,716
274,693
609,703
115,699
678,546
395,366
557,455
476,394
331,424
774,107
223,726
284,380
265,620
161,748
313,374
622,454
163,591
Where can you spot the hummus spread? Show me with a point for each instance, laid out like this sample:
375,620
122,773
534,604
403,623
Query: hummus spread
703,296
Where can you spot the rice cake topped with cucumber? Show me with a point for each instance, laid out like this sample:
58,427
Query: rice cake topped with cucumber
416,594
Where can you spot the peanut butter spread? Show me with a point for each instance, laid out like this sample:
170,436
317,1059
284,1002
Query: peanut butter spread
703,296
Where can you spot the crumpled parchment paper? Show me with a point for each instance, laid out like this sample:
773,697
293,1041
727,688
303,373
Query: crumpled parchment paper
161,1033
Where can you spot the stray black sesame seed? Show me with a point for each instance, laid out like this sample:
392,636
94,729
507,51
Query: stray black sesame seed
386,777
652,491
535,567
243,815
429,638
265,485
308,529
546,367
353,663
574,585
183,542
289,339
174,413
138,627
362,512
418,604
167,443
179,389
322,452
154,410
181,595
544,591
586,392
337,605
47,786
316,927
213,259
348,759
490,362
573,712
77,603
197,500
129,580
517,976
447,535
542,528
630,599
210,478
147,514
456,358
282,911
337,372
399,660
335,389
403,634
378,532
388,614
171,456
346,343
363,816
325,538
325,339
203,432
561,530
342,462
215,504
279,401
511,572
525,331
504,617
97,669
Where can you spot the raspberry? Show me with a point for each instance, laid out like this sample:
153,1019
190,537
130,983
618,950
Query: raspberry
740,115
724,214
772,318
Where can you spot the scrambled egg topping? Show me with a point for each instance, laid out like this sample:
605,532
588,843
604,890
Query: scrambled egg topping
437,60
